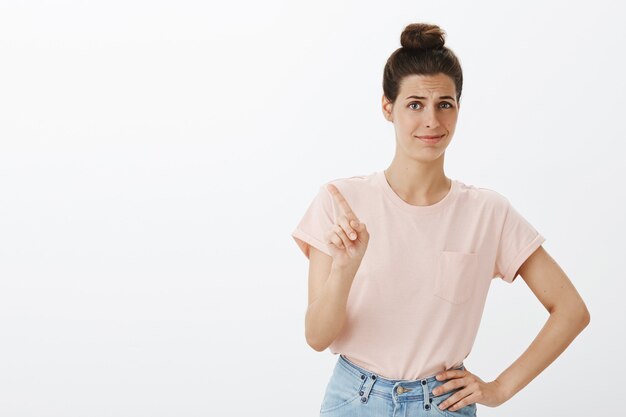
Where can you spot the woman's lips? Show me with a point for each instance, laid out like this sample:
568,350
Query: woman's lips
430,139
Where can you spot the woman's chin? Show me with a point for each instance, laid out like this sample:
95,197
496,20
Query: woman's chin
427,157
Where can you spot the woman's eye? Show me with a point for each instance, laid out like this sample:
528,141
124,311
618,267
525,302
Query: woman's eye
445,103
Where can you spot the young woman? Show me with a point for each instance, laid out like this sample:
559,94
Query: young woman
400,262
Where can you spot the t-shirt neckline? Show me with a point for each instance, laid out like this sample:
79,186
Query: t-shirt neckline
395,198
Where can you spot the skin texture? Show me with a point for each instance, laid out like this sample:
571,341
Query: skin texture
416,174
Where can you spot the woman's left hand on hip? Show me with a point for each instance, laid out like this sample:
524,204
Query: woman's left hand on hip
472,389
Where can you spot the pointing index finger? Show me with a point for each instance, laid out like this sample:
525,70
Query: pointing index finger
343,204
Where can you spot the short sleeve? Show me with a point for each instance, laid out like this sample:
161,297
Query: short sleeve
518,240
317,220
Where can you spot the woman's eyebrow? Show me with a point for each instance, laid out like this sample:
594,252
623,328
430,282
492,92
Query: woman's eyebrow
424,98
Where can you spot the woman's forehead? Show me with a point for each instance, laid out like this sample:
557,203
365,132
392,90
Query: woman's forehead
427,85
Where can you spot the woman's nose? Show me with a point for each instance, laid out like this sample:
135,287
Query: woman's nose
430,117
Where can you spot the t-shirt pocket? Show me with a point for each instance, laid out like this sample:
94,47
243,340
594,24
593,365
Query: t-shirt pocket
454,279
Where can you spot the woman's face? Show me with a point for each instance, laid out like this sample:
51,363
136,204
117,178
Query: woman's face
426,106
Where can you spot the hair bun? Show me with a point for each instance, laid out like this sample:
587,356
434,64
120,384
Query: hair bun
422,36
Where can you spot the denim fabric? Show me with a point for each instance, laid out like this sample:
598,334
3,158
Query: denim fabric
356,392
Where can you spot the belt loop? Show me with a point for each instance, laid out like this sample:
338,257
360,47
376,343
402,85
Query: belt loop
426,395
366,394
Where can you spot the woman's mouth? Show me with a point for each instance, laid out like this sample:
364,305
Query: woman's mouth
430,139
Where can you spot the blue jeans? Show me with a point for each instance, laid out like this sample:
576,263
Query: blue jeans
356,392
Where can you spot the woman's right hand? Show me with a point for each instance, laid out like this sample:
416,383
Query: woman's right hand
345,249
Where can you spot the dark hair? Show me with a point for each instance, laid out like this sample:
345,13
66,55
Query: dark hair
422,53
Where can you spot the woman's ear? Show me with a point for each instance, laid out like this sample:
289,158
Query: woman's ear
387,107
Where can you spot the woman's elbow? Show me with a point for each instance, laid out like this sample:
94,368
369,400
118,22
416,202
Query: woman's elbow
586,317
316,345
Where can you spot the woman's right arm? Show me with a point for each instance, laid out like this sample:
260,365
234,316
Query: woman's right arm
329,286
331,276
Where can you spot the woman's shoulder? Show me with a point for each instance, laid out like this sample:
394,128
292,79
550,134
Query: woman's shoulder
353,182
357,189
482,194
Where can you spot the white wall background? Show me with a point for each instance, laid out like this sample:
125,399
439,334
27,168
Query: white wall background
155,157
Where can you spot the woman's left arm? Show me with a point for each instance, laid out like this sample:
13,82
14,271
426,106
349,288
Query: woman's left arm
568,317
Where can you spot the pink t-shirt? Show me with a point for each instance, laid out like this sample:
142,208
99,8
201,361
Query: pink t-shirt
416,301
